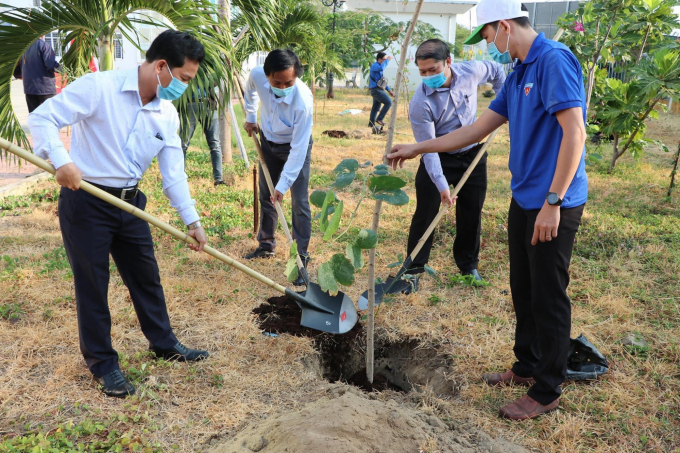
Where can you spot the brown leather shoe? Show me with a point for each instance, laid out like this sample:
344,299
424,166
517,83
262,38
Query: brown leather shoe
506,378
525,408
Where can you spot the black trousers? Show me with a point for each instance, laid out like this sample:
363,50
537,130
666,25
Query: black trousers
539,276
33,101
468,210
91,229
275,156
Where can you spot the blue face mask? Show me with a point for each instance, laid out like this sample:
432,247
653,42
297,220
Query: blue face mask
496,55
282,92
435,81
174,89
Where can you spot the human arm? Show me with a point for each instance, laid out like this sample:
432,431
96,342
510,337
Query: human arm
422,124
175,185
48,57
568,160
302,132
490,72
252,102
76,102
460,138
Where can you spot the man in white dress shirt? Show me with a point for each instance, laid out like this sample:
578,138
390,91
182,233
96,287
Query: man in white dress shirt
121,121
286,120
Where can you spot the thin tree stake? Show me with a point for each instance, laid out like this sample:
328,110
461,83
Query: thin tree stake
370,328
675,170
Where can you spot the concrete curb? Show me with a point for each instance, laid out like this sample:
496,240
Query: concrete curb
22,187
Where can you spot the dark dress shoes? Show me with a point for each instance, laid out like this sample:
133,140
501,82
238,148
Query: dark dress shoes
114,384
475,274
527,408
180,353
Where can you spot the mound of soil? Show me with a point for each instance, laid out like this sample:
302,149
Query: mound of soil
335,134
347,422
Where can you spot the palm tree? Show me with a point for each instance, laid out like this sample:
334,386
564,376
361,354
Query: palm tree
89,28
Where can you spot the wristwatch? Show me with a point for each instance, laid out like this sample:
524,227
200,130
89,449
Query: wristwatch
195,225
553,199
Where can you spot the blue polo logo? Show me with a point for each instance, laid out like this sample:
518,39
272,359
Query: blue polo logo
527,88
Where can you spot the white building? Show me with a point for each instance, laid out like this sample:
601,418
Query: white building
441,14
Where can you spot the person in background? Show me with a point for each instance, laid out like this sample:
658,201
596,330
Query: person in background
121,121
543,100
444,102
36,68
286,117
206,104
379,94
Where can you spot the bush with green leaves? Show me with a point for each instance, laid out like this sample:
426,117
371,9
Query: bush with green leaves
376,183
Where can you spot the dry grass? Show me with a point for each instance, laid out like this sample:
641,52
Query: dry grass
624,280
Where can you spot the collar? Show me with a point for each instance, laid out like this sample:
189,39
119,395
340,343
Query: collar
454,76
131,83
288,99
535,48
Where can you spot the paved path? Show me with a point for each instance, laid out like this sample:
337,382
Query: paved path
12,171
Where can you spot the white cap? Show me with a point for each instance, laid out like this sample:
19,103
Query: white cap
489,11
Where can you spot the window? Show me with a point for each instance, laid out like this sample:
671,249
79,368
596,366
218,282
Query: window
37,3
118,46
54,40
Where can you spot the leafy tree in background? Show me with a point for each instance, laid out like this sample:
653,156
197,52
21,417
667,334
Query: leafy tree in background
88,29
629,40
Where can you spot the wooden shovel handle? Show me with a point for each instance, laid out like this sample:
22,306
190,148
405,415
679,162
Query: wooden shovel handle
444,209
127,207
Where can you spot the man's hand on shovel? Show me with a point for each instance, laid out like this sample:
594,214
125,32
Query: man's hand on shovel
446,198
200,236
278,196
69,176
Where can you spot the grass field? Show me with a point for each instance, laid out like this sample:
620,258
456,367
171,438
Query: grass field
624,273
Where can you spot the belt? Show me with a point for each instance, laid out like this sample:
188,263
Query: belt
475,148
124,193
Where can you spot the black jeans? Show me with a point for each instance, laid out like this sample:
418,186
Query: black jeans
33,101
468,210
211,128
539,276
276,155
380,97
91,229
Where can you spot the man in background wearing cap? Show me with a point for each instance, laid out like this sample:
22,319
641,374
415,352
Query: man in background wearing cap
544,101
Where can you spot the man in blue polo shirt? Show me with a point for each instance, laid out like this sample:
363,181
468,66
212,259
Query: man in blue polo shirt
379,94
543,99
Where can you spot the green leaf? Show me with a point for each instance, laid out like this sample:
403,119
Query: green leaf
430,271
347,166
385,183
595,156
327,279
334,223
394,197
395,264
366,239
291,269
342,269
366,164
323,223
330,211
343,180
355,255
381,170
293,250
317,197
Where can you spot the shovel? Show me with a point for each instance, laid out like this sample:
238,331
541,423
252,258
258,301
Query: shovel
395,285
340,303
333,314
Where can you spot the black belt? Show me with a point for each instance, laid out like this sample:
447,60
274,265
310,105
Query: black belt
475,148
124,193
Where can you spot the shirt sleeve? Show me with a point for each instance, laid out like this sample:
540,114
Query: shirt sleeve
500,104
48,57
560,81
491,72
76,102
384,65
175,185
423,128
302,132
252,99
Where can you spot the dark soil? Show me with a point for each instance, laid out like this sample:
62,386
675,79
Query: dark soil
335,134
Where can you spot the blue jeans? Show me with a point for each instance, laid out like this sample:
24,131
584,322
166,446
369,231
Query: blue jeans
211,129
380,97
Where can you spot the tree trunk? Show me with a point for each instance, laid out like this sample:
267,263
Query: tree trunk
644,43
615,153
596,56
105,44
224,9
370,328
674,172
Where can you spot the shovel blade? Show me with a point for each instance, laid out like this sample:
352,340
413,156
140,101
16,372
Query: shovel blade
344,315
388,287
